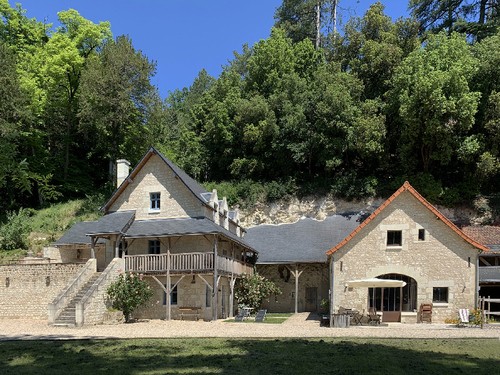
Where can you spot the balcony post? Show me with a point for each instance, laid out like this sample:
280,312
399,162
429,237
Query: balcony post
168,296
216,287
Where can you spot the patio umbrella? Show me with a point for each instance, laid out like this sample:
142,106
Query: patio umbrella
375,283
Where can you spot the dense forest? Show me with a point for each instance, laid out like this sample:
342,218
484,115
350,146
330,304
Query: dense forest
351,111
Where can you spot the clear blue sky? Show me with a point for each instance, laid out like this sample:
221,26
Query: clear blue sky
185,36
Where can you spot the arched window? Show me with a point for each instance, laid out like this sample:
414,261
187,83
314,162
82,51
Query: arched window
394,299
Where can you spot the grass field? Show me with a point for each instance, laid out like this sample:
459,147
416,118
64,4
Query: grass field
238,356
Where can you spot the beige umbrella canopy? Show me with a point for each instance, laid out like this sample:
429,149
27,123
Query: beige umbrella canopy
375,283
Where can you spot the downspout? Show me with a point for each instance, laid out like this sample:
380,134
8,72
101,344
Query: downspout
476,294
332,291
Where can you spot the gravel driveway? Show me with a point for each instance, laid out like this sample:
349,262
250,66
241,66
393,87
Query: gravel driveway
299,325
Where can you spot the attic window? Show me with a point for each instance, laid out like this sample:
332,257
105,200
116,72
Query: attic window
154,199
421,234
394,238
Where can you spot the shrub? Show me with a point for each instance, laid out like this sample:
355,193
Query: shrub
128,293
250,290
14,233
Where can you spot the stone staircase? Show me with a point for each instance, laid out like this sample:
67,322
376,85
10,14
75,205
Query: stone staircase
67,316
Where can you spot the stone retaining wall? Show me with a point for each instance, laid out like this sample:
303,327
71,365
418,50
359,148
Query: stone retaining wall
27,289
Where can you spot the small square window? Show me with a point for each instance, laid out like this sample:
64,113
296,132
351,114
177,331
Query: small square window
154,247
394,238
154,199
440,295
421,234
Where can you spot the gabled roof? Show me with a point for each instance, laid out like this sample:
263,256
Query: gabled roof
407,187
305,241
198,191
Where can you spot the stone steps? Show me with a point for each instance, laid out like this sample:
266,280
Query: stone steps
67,317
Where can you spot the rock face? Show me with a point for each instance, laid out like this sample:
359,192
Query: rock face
314,207
320,207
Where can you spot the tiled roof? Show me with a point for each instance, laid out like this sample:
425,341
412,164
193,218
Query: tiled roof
485,234
407,187
305,241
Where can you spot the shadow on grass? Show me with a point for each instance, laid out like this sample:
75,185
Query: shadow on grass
230,356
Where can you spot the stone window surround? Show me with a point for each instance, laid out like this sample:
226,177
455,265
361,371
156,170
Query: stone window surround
404,228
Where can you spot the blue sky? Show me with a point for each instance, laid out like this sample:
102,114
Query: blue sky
185,36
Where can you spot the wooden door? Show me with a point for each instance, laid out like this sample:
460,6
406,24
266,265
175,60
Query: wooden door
311,299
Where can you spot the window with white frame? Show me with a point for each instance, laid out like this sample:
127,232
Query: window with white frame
154,247
154,199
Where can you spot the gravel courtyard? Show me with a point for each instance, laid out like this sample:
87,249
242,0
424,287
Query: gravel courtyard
298,325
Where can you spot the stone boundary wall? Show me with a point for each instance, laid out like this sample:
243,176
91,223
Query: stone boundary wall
27,289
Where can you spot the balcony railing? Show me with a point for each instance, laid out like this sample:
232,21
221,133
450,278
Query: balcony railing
184,263
489,273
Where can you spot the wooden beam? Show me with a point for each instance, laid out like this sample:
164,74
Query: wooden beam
296,273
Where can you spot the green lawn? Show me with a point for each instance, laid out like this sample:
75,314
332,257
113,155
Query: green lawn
243,356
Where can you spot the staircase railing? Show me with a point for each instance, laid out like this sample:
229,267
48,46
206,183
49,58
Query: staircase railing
92,306
63,298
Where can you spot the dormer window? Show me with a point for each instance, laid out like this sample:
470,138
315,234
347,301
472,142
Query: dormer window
154,199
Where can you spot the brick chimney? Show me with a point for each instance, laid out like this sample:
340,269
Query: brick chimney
122,171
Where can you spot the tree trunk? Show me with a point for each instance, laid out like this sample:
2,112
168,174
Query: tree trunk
318,24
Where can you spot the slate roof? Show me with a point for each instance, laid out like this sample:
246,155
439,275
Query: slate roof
305,241
113,223
407,187
180,227
77,234
488,235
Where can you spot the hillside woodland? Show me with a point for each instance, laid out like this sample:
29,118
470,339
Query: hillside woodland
314,109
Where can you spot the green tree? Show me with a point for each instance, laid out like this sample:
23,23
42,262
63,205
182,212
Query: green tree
128,293
251,290
436,104
115,100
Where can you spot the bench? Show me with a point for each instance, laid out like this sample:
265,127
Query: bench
187,311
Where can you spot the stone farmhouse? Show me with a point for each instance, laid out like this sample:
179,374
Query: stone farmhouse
188,245
407,239
163,225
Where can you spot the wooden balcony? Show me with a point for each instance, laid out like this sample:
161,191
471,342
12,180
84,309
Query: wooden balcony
185,263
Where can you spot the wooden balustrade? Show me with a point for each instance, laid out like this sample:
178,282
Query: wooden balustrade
184,262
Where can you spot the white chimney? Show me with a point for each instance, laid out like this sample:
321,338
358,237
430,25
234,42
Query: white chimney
122,171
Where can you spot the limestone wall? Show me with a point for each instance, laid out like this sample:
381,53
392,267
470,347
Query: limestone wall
26,290
443,259
176,200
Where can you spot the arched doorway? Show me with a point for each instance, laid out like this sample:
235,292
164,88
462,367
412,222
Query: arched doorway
394,299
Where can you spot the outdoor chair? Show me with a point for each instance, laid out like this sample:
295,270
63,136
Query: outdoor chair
463,316
260,316
373,317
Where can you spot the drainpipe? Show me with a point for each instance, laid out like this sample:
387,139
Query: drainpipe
332,291
478,288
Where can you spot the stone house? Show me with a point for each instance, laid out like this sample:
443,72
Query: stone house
162,224
406,239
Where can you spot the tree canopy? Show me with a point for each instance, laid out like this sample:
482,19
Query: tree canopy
371,105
